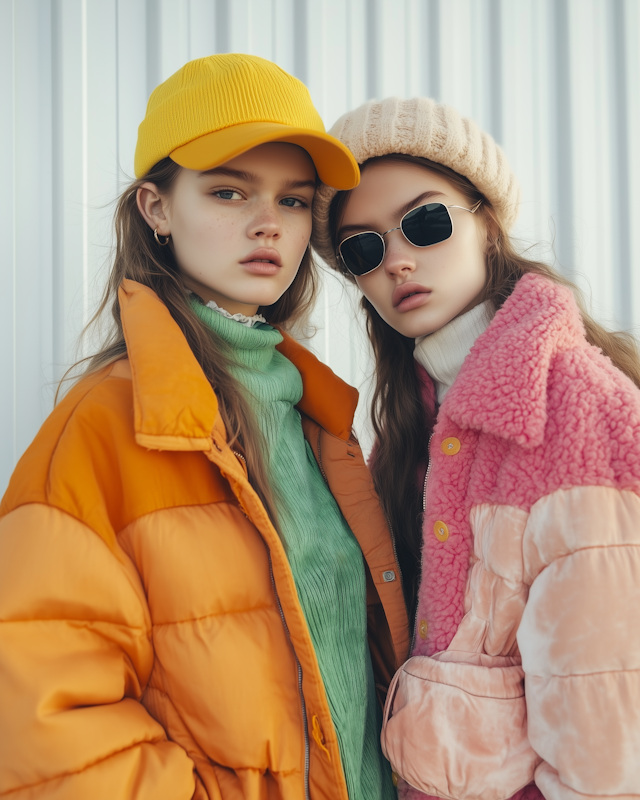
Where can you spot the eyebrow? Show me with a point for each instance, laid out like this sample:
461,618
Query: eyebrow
399,213
300,185
239,174
251,177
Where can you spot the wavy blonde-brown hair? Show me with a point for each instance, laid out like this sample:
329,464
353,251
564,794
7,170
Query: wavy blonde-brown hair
397,412
139,257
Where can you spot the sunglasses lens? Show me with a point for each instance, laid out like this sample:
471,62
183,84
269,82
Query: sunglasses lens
427,225
362,253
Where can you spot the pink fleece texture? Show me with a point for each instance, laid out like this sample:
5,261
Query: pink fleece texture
536,409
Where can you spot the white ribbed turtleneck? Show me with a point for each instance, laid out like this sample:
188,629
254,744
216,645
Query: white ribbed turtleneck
443,352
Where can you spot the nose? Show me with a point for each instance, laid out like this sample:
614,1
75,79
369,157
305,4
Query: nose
265,223
398,258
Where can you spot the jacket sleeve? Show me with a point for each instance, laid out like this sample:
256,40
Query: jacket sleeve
75,656
580,642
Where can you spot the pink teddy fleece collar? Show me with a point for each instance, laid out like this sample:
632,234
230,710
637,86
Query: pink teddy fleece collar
501,392
502,386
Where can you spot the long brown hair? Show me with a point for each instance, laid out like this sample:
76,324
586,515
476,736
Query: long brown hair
140,258
397,412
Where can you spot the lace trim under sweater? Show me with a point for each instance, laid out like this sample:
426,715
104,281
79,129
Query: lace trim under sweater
442,353
325,558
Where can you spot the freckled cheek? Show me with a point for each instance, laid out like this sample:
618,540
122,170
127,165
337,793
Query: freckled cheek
199,239
297,230
215,237
304,241
296,241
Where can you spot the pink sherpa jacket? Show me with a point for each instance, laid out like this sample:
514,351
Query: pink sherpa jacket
525,670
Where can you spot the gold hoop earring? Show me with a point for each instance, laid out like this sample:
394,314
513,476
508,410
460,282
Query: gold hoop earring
157,238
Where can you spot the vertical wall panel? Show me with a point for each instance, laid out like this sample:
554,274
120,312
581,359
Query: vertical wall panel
631,101
619,174
25,225
557,82
173,42
8,212
356,50
41,159
464,52
525,124
101,146
202,28
535,159
130,81
70,200
239,26
261,29
390,57
32,221
591,65
284,34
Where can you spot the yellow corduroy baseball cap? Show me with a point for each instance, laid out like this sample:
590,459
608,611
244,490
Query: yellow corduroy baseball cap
216,108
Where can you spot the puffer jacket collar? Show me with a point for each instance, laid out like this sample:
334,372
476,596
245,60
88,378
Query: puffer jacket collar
176,408
509,364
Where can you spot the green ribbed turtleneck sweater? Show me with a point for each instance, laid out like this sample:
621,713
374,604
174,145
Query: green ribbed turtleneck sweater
324,555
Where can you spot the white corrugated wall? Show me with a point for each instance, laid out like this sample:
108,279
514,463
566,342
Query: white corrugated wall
557,82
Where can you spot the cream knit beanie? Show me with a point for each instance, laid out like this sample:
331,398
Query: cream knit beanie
420,127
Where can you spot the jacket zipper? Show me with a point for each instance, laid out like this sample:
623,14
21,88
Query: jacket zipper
424,509
426,477
240,456
322,472
300,692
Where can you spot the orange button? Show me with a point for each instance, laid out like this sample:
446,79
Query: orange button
441,531
423,628
450,446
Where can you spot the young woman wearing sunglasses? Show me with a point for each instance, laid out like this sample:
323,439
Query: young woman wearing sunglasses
508,461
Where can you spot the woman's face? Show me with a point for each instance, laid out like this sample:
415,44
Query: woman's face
239,231
445,279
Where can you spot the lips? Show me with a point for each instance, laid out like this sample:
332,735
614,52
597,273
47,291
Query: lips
406,290
264,255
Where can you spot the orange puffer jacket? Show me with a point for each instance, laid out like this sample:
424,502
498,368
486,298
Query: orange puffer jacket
151,641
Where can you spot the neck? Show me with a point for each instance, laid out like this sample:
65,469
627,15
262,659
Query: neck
442,353
209,295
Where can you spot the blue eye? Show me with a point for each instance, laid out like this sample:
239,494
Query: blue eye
227,194
293,202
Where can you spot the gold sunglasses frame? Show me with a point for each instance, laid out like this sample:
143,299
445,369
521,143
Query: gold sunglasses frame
399,228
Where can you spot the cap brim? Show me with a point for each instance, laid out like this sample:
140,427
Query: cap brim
334,162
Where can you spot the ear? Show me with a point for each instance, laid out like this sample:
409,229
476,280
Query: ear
152,206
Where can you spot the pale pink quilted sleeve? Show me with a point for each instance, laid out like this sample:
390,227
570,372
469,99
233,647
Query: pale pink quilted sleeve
580,642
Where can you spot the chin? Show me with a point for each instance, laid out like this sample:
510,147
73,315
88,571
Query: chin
427,327
261,302
412,329
264,295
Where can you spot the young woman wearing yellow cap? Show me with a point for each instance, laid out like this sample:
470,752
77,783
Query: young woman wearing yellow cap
185,607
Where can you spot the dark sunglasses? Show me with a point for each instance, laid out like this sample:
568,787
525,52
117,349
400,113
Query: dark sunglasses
422,227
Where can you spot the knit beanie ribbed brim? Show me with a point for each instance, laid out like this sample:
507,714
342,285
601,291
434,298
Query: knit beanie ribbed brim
420,127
